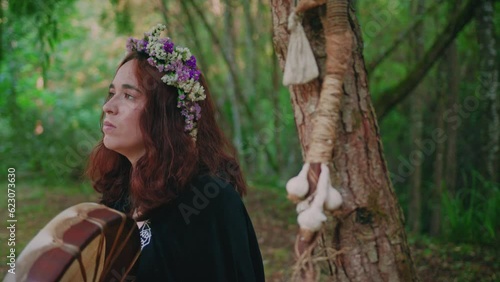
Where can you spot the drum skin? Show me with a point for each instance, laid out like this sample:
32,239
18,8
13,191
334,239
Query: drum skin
86,242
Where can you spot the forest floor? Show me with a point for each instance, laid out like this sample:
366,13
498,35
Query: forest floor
274,221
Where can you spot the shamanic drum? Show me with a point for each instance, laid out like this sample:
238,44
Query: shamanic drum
86,242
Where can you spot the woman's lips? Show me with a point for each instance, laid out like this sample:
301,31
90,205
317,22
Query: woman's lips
108,126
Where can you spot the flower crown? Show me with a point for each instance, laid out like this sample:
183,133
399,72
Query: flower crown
180,71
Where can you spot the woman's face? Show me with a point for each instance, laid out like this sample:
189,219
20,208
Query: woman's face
122,133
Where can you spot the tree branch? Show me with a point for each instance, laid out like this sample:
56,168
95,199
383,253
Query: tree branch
371,66
232,68
389,98
234,75
164,12
196,38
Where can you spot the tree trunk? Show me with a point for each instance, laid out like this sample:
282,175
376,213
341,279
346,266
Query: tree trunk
251,67
445,170
228,40
276,79
416,124
445,167
452,132
367,240
489,82
435,205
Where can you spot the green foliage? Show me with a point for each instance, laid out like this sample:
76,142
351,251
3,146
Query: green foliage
42,18
441,260
123,20
468,211
47,132
471,216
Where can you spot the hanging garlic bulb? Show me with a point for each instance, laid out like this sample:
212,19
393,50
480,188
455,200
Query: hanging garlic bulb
303,205
311,219
333,199
297,187
311,215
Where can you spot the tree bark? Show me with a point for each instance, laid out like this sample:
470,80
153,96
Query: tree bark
366,241
416,123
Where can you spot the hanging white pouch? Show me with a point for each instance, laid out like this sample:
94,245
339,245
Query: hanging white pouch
300,65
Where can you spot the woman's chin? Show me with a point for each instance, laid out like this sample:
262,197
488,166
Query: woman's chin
109,144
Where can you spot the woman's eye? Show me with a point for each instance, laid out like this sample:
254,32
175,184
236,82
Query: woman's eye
110,95
129,97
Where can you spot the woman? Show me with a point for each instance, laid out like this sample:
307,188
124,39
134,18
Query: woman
164,160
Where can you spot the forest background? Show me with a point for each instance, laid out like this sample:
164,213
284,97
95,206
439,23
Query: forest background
441,139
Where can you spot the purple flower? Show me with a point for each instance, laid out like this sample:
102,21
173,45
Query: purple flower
169,67
175,66
189,126
151,61
182,97
168,46
131,44
191,62
160,68
181,104
194,74
198,110
182,75
142,45
182,71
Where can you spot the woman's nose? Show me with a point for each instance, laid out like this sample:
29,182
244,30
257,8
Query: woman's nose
110,106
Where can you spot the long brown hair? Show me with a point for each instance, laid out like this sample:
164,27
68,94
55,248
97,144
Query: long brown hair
172,159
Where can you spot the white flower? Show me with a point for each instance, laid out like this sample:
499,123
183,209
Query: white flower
170,79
